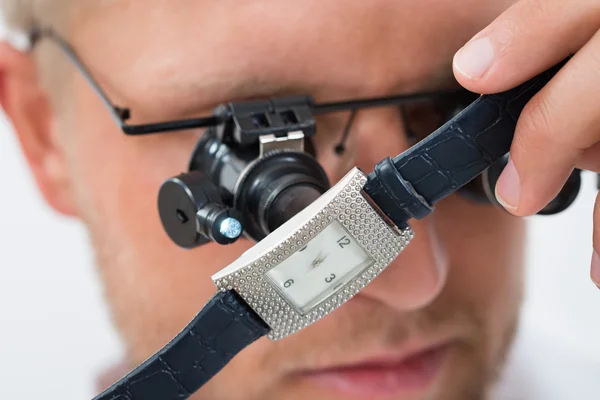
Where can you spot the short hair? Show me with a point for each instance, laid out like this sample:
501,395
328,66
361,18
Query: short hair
22,16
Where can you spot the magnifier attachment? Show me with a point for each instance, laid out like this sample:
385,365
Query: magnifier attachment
277,187
192,212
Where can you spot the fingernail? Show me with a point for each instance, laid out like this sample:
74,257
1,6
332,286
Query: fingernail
475,58
596,269
508,187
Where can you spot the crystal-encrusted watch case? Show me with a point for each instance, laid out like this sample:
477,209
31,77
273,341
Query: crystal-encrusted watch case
345,202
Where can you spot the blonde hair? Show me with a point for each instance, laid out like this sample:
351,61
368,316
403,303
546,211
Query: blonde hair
23,16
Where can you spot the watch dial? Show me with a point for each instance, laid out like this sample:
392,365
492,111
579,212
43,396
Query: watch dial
319,269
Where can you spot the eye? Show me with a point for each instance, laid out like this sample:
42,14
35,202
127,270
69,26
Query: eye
423,118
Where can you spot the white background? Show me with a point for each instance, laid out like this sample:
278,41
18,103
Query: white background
55,332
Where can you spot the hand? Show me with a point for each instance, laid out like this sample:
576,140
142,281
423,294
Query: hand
110,376
560,127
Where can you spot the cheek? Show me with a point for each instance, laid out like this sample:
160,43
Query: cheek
153,286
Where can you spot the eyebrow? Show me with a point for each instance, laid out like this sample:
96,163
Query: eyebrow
201,96
224,91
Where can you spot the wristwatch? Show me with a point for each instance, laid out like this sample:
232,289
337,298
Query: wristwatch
328,252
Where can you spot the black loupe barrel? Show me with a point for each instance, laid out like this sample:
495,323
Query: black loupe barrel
278,187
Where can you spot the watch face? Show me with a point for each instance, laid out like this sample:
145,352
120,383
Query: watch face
318,270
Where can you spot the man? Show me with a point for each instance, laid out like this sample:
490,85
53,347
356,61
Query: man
439,321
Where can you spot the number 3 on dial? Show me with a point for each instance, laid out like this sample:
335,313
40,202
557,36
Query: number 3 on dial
330,278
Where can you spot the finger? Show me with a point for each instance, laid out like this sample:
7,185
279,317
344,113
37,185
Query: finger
556,127
590,159
595,272
528,38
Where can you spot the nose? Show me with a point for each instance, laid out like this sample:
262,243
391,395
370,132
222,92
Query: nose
419,273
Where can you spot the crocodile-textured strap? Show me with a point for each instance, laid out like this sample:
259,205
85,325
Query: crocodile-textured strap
409,185
223,328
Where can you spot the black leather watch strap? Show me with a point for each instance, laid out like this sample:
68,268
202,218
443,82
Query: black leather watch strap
409,185
223,328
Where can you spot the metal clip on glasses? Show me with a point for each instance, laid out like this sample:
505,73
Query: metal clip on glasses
252,169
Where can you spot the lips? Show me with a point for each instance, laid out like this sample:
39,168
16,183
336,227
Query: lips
411,375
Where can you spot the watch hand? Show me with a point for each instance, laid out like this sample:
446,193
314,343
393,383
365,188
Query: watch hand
315,262
319,260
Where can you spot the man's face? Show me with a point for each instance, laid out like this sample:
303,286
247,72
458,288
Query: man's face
435,325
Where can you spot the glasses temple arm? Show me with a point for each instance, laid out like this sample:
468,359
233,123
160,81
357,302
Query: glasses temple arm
119,115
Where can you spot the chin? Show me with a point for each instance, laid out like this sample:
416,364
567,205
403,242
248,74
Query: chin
466,377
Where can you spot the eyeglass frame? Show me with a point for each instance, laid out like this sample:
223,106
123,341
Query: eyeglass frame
121,115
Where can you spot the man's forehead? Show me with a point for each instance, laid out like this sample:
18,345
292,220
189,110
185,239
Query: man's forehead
233,49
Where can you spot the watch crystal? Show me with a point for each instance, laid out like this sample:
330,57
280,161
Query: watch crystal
320,268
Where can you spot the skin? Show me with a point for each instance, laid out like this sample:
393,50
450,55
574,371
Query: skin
558,130
460,280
